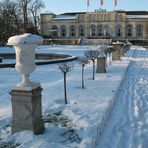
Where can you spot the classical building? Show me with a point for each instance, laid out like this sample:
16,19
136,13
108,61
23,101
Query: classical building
94,25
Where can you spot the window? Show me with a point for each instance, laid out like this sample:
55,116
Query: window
106,30
99,30
81,31
129,30
93,31
139,31
54,31
72,31
118,31
63,31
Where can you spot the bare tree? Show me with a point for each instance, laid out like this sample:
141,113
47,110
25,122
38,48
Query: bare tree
83,61
30,9
17,16
9,18
24,9
65,68
34,9
92,55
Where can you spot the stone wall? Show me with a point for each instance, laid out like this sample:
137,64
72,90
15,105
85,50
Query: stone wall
96,41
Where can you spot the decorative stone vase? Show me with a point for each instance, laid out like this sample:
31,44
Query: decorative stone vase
26,95
25,45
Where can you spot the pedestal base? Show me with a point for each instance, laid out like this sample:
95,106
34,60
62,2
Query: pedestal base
26,109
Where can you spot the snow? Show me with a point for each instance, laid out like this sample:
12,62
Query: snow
26,38
137,16
129,123
81,122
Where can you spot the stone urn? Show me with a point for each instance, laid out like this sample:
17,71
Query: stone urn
25,45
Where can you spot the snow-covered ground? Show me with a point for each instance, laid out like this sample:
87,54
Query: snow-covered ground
128,124
80,123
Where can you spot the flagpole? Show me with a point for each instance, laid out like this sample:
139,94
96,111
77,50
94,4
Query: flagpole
115,4
87,18
101,4
87,5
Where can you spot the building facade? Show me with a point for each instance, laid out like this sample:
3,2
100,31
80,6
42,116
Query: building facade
95,25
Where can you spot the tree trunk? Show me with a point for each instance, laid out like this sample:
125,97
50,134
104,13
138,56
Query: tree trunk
25,16
65,91
93,78
83,77
17,23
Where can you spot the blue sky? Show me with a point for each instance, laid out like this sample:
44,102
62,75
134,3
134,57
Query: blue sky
61,6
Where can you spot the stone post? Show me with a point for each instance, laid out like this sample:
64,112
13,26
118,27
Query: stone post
26,95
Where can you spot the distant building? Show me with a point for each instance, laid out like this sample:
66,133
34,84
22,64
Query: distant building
98,24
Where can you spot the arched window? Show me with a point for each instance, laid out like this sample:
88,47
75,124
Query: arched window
139,30
81,31
99,30
54,31
106,31
72,31
129,31
63,31
92,30
118,31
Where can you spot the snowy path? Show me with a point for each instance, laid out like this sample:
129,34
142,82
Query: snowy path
128,125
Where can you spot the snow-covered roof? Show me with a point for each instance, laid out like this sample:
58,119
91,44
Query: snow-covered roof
47,12
64,17
137,16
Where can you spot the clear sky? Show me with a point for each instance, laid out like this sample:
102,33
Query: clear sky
62,6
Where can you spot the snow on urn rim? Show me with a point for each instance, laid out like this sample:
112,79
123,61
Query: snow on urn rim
26,38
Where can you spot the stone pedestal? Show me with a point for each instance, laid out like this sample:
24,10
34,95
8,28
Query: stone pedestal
26,109
101,65
118,51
